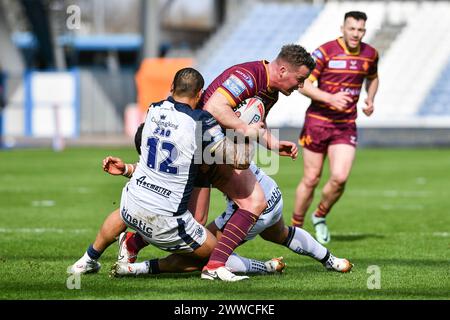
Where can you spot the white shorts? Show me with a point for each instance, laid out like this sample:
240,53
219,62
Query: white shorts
267,219
175,234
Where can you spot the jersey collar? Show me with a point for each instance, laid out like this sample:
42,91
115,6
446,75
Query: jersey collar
266,64
341,42
176,103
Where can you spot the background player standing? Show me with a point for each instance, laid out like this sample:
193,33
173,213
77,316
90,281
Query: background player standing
330,128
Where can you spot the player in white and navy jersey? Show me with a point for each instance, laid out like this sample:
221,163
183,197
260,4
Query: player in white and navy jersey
154,202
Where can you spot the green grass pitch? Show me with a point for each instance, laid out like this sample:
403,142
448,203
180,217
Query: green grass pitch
394,215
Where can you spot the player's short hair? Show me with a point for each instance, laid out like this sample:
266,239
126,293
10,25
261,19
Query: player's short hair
296,56
138,138
187,83
357,15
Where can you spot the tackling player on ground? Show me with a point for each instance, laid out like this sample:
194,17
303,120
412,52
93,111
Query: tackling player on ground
342,65
270,226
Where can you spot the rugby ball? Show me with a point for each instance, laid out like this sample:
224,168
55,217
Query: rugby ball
251,110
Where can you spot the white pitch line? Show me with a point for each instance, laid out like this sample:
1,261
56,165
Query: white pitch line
43,203
441,234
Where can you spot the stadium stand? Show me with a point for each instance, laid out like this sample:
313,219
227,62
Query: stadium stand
437,103
258,35
411,66
289,111
412,37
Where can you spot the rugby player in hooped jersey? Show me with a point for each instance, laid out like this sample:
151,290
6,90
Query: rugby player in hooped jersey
342,65
265,80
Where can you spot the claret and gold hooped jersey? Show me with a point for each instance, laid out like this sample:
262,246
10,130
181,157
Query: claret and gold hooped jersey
337,70
243,81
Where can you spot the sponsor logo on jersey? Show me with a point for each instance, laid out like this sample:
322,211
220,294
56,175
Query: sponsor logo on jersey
162,123
353,64
234,85
353,92
317,54
246,78
153,187
337,64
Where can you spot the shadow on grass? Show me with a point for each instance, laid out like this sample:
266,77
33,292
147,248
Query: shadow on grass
355,237
157,289
413,263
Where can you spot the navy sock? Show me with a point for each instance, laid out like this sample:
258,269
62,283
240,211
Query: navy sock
325,258
154,267
92,253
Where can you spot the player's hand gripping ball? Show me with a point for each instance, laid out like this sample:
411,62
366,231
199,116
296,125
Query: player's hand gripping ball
251,110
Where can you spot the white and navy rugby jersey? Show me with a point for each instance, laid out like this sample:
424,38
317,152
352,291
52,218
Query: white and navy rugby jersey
171,141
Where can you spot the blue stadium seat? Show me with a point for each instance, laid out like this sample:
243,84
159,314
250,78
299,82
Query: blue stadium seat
437,103
260,35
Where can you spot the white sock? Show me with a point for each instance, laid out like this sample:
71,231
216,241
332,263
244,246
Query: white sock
301,242
245,265
140,267
86,257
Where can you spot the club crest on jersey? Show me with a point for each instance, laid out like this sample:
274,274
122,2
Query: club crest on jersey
246,78
337,64
234,85
365,66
